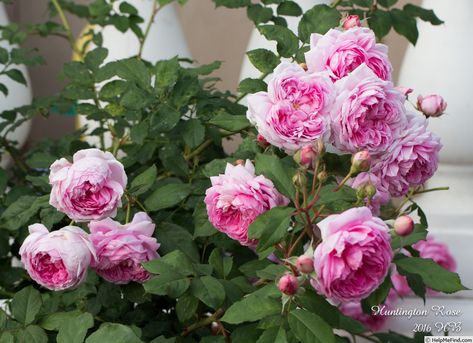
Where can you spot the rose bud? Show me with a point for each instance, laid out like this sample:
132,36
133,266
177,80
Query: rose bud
303,66
351,21
305,264
240,162
431,105
299,180
403,226
306,156
405,90
57,260
322,176
262,142
360,162
288,284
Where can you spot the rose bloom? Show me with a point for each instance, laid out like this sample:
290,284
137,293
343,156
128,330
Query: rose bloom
381,196
90,188
430,248
295,110
341,52
431,105
57,260
373,322
354,256
368,113
412,158
122,248
237,197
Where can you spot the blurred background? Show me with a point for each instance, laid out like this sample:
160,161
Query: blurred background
211,33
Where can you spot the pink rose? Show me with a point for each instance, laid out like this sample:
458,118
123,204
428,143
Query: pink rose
381,196
431,105
306,156
405,90
237,197
430,248
354,256
57,260
373,322
368,112
90,188
295,110
122,248
351,21
411,159
288,284
341,52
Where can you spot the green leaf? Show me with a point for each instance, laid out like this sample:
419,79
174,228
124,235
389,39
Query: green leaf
202,226
193,133
139,132
270,227
287,41
273,168
233,123
172,237
380,23
264,60
22,210
6,337
339,201
4,55
250,309
3,180
32,334
416,284
3,89
289,8
422,13
209,290
53,321
378,296
75,329
405,25
319,19
186,307
387,3
259,14
116,333
143,181
173,160
171,283
175,260
167,73
363,3
271,272
249,85
222,265
95,58
232,3
16,75
419,234
26,305
165,119
50,216
433,275
310,328
273,335
167,196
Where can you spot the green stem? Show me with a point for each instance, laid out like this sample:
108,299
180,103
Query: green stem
204,322
5,294
432,190
340,185
140,205
128,209
198,150
335,3
66,25
154,11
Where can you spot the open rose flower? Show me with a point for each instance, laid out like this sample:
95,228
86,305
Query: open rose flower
430,248
354,256
368,113
354,310
237,197
411,160
295,110
122,248
89,188
341,52
381,196
57,260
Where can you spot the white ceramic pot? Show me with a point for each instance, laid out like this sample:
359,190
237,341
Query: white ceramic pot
18,95
165,40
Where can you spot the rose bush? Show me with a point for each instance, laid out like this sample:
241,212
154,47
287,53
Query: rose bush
159,236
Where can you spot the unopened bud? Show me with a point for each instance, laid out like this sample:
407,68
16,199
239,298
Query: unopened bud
403,225
306,156
322,176
288,284
305,264
351,21
431,105
360,162
299,180
262,142
320,147
303,66
370,190
240,162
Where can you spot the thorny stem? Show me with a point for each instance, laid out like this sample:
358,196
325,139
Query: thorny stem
204,322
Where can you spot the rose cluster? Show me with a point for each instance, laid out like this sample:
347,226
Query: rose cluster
89,189
345,98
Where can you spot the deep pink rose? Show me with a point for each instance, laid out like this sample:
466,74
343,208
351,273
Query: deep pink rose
368,113
354,256
90,188
411,159
430,248
295,110
237,197
57,260
381,196
122,248
341,52
431,105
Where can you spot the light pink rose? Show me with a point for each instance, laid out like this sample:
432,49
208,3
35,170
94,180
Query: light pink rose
430,248
122,248
381,196
431,105
351,21
411,159
57,260
368,113
354,256
237,197
295,110
90,188
405,90
341,52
